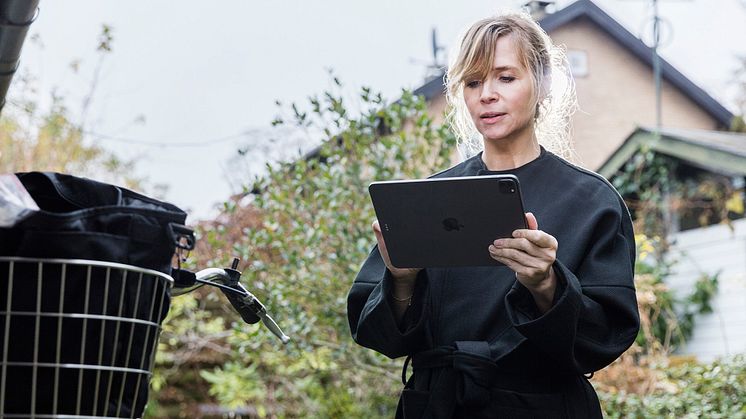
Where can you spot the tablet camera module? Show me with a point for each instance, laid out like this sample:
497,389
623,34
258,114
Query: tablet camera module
507,187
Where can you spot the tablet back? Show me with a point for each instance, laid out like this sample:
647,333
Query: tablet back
446,222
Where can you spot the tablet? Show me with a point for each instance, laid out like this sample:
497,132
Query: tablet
446,222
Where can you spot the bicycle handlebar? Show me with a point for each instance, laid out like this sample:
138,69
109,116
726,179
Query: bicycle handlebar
243,301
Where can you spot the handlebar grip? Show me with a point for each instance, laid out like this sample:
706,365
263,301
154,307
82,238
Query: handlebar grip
183,278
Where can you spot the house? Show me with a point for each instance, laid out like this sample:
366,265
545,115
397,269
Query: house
613,71
614,82
715,248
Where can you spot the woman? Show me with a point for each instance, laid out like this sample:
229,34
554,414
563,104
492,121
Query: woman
518,340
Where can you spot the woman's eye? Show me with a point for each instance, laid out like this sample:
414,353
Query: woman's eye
507,79
473,84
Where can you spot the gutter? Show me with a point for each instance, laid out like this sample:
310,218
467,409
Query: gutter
15,18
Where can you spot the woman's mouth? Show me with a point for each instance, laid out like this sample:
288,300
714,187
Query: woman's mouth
491,117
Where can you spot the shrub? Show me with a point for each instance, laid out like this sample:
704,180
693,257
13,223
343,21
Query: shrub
689,390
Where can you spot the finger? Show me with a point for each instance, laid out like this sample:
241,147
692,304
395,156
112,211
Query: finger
377,232
525,267
522,244
499,256
510,263
537,237
381,243
518,257
515,266
531,221
385,253
528,253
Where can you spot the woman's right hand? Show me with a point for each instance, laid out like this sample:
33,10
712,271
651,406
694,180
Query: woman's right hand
399,274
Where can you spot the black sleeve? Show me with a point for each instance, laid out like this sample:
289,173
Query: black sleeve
594,318
371,317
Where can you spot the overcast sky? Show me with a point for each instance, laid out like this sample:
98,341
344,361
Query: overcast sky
198,71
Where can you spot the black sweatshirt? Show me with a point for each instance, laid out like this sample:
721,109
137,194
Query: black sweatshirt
480,346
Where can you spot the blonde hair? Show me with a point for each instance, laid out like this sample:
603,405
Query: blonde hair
553,86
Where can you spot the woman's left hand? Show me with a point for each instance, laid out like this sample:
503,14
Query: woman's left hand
530,254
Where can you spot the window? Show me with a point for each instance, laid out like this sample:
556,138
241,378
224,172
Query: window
578,61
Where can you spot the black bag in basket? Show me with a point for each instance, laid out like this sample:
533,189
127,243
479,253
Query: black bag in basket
84,219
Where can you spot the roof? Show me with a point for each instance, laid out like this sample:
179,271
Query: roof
432,88
716,151
588,9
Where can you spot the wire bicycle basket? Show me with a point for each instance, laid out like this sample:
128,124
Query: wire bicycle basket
79,337
86,280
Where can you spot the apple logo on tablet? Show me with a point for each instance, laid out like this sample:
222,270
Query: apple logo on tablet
451,224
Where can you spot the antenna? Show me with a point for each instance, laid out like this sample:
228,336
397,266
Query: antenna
434,69
657,66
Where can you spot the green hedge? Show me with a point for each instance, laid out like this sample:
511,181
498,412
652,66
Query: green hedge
716,390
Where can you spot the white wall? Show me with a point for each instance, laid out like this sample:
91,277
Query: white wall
710,250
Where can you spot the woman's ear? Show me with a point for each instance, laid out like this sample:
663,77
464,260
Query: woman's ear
545,86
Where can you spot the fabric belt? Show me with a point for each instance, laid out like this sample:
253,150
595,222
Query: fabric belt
468,377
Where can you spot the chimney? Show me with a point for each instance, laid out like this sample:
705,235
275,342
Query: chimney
538,8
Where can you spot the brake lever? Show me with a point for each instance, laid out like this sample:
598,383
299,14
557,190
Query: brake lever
256,310
247,305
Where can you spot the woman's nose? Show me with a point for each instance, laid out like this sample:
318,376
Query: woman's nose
489,91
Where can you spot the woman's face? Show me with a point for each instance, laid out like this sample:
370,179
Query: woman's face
501,105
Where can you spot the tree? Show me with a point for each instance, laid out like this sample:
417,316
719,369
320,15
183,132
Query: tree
304,231
647,381
739,121
36,138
